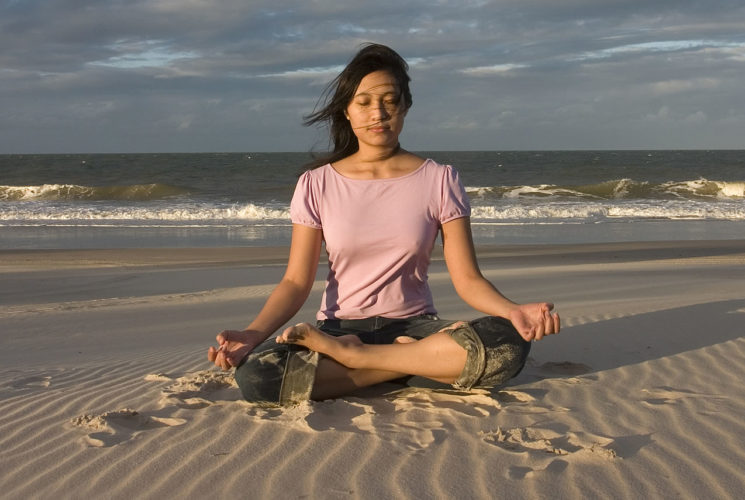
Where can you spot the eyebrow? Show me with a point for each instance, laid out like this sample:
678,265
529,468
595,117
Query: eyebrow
368,92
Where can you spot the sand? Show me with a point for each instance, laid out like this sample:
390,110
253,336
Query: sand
105,390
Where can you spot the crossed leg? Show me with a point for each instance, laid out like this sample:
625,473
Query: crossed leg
354,364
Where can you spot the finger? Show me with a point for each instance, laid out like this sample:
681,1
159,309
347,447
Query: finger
557,322
539,333
219,358
223,362
215,352
531,334
548,323
542,329
232,358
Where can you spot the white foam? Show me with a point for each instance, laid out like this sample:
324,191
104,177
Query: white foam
662,209
705,188
168,212
212,214
72,192
18,193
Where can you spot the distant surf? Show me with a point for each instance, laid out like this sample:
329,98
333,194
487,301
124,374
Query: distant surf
72,192
248,193
618,189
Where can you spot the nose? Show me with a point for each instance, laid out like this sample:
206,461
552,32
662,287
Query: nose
380,111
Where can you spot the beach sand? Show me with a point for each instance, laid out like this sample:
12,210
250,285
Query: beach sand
106,392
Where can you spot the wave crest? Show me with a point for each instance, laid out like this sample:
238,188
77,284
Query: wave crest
619,189
74,192
180,212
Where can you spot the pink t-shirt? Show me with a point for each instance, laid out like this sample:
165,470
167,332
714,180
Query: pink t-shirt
379,235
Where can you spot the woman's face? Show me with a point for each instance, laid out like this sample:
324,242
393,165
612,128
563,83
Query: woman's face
376,112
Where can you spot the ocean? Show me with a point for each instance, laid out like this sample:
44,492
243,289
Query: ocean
242,199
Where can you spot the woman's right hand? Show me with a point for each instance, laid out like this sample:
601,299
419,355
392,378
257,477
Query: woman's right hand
233,346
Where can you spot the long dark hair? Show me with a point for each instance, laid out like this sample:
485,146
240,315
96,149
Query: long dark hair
340,91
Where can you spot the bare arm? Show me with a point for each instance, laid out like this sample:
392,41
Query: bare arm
293,290
284,302
468,281
532,321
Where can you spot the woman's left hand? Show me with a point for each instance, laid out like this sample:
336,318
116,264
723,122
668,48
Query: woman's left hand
534,321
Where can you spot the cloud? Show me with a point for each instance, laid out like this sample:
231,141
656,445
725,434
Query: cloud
143,54
693,84
495,69
315,75
150,75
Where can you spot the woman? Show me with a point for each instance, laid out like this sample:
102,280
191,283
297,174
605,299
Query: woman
379,209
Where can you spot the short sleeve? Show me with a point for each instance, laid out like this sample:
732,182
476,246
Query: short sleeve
304,205
454,202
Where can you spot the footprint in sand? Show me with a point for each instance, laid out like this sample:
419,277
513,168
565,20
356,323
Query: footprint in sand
474,403
555,466
199,389
411,418
521,402
114,427
664,395
578,380
158,377
33,382
512,396
549,443
380,418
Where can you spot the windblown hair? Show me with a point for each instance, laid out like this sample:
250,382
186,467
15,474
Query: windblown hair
340,91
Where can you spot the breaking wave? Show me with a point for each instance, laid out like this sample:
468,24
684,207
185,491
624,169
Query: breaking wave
597,212
180,212
211,214
73,192
162,204
619,189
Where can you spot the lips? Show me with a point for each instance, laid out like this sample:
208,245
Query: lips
378,128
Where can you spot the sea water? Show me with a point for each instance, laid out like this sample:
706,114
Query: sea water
242,199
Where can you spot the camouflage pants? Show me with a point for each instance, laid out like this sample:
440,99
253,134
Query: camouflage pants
283,374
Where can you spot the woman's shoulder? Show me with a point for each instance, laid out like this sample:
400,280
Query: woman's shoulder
441,170
413,161
315,172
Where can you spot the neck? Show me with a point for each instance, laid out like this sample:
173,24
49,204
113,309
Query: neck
376,155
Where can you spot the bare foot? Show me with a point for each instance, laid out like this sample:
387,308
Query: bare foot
405,339
305,335
343,349
349,339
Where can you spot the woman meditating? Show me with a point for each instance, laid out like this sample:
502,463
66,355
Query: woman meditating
379,209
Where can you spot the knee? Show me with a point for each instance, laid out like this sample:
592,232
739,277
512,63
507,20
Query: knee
259,379
498,330
505,350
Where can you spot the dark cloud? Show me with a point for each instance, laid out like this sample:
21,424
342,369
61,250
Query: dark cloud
198,75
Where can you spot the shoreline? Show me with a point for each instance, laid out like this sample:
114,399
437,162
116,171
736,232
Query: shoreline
12,260
53,237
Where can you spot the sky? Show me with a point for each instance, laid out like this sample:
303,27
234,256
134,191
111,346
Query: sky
116,76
